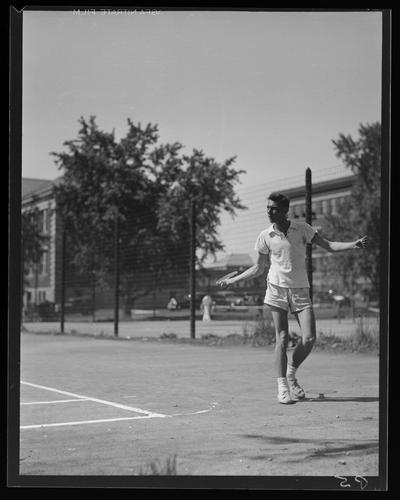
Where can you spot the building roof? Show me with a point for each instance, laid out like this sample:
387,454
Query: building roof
332,185
37,187
231,260
30,186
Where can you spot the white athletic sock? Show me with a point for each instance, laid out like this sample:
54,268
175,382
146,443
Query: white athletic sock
282,384
291,371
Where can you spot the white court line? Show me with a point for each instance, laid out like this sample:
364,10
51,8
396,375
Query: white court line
104,420
147,414
211,407
96,400
55,401
81,422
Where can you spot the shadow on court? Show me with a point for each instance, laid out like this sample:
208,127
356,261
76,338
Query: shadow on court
349,399
322,448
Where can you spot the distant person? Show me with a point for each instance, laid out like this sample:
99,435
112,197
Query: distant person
172,304
283,246
206,307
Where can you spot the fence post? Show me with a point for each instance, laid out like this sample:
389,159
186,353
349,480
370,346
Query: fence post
309,221
116,271
93,293
63,265
192,269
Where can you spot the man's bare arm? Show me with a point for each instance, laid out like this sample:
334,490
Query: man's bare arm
339,246
252,272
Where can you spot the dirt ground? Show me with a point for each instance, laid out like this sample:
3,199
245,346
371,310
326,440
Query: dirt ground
212,409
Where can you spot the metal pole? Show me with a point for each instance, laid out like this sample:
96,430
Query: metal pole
93,293
116,272
63,265
192,269
24,307
36,288
309,221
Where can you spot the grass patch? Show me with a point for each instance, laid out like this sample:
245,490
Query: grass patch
363,340
157,468
255,334
260,333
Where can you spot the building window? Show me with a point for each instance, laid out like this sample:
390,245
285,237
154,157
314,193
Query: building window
334,206
45,227
326,207
43,262
40,220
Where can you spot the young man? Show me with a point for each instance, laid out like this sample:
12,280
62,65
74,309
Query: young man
283,246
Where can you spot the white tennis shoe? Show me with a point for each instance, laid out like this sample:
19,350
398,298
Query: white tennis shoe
284,397
296,391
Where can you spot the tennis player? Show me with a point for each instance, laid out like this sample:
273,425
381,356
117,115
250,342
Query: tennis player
282,248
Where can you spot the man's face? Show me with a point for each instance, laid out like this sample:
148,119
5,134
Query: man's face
275,213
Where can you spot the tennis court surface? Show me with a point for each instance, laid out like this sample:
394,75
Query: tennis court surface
109,407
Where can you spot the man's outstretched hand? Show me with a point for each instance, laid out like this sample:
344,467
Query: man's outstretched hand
362,242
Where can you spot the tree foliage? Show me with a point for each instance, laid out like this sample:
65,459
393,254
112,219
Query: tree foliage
32,240
361,213
149,185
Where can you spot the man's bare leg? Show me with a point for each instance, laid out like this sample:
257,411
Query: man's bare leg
280,318
306,320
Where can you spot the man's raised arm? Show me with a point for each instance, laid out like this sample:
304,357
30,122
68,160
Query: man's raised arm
339,246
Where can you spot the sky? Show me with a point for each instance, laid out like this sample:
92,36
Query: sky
271,88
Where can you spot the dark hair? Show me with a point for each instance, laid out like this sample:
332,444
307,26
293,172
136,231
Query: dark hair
279,198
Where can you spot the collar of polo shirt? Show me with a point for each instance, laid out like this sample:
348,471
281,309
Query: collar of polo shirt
272,231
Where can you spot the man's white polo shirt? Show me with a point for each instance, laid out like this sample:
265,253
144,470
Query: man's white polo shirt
287,254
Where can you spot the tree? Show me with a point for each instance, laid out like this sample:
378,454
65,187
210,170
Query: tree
31,237
32,241
360,214
148,185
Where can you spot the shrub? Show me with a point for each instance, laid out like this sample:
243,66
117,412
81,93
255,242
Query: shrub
362,340
262,332
365,338
156,468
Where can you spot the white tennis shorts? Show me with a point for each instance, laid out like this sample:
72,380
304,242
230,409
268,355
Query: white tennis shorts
289,299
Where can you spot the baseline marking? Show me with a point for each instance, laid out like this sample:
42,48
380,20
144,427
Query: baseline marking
82,422
96,400
120,419
55,401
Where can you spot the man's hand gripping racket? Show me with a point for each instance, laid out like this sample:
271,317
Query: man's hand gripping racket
223,281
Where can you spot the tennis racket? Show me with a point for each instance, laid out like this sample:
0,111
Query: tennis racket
226,277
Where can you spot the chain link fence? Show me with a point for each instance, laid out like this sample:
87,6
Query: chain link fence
130,288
